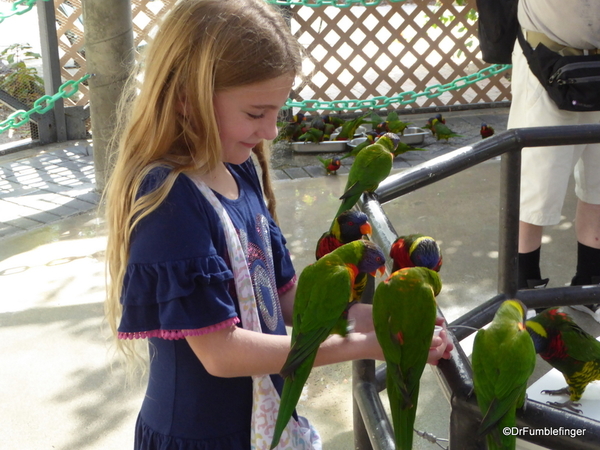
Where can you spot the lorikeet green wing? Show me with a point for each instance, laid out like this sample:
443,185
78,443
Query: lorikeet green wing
569,349
323,294
503,360
404,314
442,131
371,166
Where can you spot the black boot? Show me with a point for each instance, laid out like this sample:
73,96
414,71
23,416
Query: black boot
529,273
588,273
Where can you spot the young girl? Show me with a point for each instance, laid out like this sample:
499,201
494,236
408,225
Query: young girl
187,220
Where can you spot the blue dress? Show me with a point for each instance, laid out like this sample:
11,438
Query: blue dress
178,282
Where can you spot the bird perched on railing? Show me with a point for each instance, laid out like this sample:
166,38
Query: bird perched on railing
349,226
568,348
416,250
372,165
503,361
406,295
323,296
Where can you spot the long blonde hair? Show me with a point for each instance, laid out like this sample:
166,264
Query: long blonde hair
201,47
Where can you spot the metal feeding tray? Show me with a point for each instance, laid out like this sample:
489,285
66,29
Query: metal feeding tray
412,135
321,147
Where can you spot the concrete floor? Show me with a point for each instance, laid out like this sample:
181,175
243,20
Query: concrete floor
61,388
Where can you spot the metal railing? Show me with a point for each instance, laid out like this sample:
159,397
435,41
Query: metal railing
372,428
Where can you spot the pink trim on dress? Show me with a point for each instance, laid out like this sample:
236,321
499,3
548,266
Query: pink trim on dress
178,334
287,286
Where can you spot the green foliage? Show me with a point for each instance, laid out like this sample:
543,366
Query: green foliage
448,18
16,78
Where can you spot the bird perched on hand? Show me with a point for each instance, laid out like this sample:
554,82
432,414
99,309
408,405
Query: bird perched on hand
503,361
404,314
416,250
349,226
372,165
568,348
486,130
441,131
323,297
331,164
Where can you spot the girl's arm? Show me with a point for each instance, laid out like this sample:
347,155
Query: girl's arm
235,352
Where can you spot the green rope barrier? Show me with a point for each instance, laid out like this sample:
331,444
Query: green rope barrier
336,3
17,8
42,105
404,98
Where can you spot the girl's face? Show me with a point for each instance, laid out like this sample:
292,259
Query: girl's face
248,114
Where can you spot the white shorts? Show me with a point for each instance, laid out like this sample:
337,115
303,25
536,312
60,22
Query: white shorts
545,171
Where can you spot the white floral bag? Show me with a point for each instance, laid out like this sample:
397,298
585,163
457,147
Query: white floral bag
265,403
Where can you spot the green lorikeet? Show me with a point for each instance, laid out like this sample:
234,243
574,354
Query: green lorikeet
347,227
331,164
372,165
311,135
403,147
442,131
404,314
416,250
349,128
429,124
569,349
370,139
323,295
503,361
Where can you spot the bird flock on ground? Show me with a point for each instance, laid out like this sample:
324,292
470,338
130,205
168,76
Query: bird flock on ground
504,354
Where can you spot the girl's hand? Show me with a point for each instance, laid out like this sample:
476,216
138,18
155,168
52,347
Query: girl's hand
360,316
440,345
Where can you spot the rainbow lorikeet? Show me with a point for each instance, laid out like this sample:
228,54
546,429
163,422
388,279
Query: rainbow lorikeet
372,165
503,360
333,120
311,135
568,348
331,164
416,250
429,124
349,128
442,131
486,130
404,314
349,226
323,295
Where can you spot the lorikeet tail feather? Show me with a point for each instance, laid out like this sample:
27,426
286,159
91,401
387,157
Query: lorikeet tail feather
292,390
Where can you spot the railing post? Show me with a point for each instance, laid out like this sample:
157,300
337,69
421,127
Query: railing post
51,129
510,185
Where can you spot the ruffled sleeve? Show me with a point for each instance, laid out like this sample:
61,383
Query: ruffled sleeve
176,282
